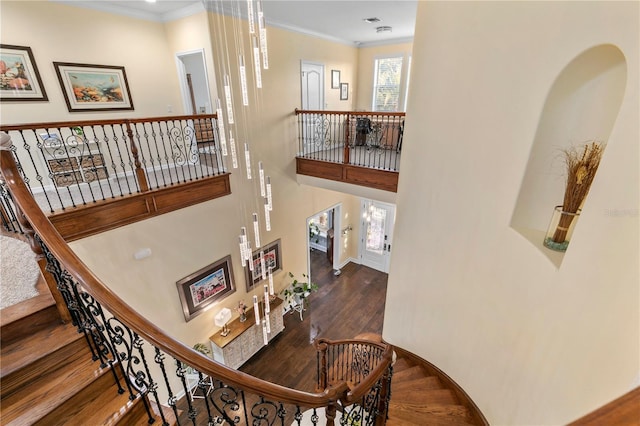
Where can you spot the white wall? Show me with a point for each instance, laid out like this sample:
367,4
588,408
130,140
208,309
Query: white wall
530,343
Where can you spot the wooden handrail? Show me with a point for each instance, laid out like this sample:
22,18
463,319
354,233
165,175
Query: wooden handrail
349,113
56,124
132,319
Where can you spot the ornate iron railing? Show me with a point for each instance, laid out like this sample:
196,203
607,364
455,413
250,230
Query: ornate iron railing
147,363
8,215
366,139
355,362
68,164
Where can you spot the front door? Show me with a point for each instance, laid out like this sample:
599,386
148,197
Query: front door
376,234
312,87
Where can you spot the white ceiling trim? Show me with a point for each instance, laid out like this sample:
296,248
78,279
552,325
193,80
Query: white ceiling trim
114,8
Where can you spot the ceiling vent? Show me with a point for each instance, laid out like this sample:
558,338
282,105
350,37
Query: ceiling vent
383,29
371,20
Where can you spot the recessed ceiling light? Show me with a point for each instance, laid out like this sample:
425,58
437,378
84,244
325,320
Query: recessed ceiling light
383,29
371,20
150,1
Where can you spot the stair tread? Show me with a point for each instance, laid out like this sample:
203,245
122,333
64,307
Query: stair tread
425,397
23,309
417,385
432,414
426,420
41,396
109,409
402,364
458,410
409,373
42,343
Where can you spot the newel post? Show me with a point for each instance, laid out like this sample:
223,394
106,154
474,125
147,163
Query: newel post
321,348
142,178
9,162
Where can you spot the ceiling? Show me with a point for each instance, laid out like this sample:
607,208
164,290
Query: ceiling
341,21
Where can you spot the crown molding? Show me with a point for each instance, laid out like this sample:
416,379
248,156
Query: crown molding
117,9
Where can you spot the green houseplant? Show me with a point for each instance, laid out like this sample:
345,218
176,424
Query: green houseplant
298,290
198,347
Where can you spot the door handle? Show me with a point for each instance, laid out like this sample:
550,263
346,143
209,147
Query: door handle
389,249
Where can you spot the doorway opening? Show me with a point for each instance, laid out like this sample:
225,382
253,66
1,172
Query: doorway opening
323,243
194,82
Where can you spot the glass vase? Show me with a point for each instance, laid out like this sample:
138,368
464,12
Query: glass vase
560,229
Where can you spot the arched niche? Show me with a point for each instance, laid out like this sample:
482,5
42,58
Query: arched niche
582,105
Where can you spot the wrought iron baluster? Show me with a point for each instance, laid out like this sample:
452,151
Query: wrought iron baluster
171,399
152,386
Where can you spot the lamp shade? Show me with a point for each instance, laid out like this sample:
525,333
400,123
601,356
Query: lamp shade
222,317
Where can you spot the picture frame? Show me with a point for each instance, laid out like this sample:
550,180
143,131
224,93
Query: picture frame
88,87
273,259
335,79
19,76
344,91
205,286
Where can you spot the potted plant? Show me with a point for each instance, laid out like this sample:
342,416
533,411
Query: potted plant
298,291
198,347
314,231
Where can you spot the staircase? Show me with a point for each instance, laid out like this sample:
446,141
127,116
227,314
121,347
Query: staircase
422,395
48,375
419,397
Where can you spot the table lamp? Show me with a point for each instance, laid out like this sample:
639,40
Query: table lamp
221,319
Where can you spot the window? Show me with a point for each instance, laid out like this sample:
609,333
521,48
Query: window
387,84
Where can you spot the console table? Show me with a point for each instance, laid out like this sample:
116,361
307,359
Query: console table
245,338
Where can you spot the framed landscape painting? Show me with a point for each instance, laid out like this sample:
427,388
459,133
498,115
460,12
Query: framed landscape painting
19,76
272,260
205,286
94,87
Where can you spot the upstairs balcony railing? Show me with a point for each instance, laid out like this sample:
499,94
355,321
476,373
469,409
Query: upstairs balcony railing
70,164
353,377
365,139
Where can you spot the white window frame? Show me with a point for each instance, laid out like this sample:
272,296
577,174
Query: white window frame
404,79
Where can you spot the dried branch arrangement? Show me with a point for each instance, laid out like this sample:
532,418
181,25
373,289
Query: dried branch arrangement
582,165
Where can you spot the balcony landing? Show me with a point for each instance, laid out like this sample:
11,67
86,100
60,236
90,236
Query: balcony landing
364,176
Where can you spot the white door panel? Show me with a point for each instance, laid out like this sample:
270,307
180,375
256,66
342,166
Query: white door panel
376,234
312,87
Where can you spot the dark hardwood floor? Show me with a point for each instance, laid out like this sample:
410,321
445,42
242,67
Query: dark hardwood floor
343,307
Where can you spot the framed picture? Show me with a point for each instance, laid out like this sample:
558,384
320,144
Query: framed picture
94,87
205,286
19,76
272,260
344,91
335,79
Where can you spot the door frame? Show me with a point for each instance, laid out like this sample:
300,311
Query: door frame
322,88
182,79
337,236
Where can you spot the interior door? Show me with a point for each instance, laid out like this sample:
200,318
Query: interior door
312,88
376,234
